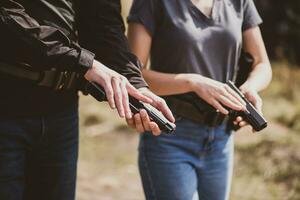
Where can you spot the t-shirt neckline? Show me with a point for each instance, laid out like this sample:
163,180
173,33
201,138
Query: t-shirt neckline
214,13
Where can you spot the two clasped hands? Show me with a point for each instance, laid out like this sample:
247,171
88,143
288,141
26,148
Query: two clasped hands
217,94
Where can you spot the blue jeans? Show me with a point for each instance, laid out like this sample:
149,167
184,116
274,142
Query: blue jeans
194,163
38,157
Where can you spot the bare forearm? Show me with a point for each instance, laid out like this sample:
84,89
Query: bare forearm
260,77
167,84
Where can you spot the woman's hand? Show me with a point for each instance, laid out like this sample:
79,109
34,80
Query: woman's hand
252,95
141,121
116,87
217,94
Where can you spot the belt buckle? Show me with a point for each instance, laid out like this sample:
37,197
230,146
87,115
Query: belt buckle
65,80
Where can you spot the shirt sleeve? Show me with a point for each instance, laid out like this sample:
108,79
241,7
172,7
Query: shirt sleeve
48,46
102,30
147,13
251,15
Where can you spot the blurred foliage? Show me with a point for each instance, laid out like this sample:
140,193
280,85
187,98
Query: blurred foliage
274,162
282,97
281,28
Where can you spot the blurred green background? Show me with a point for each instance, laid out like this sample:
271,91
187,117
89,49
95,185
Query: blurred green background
267,165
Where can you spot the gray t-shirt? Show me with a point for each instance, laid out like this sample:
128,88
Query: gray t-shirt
187,41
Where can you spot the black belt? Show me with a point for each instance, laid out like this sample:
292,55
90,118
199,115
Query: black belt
66,80
57,80
189,111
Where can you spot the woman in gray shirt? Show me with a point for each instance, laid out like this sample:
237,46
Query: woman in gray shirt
194,47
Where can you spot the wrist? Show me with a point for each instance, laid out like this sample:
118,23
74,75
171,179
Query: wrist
91,74
193,81
248,87
88,73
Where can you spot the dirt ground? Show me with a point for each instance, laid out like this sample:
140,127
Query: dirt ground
107,165
108,160
112,173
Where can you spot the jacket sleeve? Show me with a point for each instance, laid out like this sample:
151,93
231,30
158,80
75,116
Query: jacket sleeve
25,40
101,29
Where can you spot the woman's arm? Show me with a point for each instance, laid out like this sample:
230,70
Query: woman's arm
261,75
215,93
140,41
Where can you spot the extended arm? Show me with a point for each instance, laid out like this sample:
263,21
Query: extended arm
24,40
101,30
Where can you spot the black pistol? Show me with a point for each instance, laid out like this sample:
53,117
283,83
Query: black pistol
253,117
135,105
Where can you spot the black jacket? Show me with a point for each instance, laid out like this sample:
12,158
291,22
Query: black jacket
64,34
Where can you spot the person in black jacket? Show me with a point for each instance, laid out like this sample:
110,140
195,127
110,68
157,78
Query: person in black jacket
39,125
